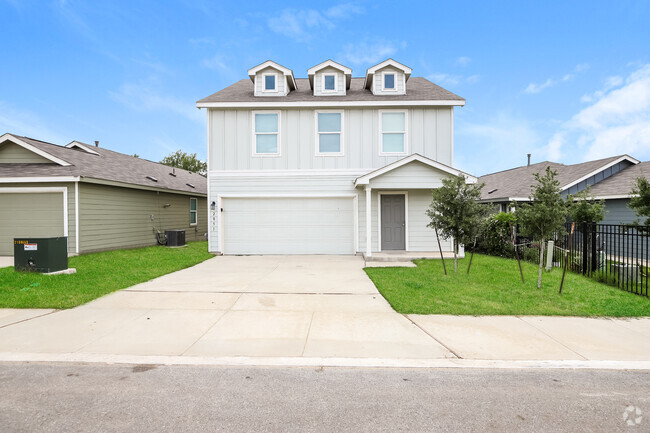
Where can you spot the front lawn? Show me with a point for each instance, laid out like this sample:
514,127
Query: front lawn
494,287
97,274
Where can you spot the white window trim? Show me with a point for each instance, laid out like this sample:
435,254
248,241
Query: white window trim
381,132
317,151
383,81
336,79
254,134
195,211
264,89
406,217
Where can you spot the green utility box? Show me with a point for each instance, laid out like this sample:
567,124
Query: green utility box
41,254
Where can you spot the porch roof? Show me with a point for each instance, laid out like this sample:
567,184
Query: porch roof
428,162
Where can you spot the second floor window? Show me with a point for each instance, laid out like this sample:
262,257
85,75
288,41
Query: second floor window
266,132
389,81
393,132
328,136
269,83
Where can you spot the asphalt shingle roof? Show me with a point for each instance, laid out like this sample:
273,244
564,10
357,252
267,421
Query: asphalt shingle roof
108,165
417,89
517,182
622,182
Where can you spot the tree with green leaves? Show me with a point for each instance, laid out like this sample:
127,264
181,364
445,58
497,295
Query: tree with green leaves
640,201
545,214
456,212
186,161
584,208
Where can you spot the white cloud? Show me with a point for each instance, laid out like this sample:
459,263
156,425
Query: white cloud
142,97
533,88
452,80
215,62
368,54
463,61
21,122
616,122
300,24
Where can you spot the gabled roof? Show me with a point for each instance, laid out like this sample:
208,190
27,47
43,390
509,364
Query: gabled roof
365,179
515,183
330,64
389,62
79,145
271,64
100,164
621,184
20,141
419,91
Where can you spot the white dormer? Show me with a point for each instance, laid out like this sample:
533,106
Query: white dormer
272,79
81,146
387,78
329,79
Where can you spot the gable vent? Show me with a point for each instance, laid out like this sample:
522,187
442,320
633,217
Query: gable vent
152,178
190,185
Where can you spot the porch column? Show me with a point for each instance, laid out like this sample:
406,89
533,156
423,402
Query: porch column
368,221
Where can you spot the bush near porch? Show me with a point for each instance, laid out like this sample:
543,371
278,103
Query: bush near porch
494,287
97,275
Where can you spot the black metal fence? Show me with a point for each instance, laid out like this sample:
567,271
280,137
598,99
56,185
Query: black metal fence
615,254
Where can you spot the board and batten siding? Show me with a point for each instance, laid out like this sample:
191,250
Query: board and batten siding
71,204
114,217
11,153
429,133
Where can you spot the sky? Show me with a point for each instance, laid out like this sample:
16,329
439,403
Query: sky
564,81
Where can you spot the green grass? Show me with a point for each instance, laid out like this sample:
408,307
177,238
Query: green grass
494,287
97,274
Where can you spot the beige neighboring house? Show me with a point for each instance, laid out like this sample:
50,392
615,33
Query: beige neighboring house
99,199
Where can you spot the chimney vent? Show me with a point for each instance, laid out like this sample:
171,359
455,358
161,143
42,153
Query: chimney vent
96,143
528,159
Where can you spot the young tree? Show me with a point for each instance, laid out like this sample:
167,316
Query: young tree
545,214
456,212
186,161
641,202
584,208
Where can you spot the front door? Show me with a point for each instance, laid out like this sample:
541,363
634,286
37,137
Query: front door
393,222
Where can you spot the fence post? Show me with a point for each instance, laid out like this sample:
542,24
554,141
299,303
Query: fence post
594,253
585,248
549,255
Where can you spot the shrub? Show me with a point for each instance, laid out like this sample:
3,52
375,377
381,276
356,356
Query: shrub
495,239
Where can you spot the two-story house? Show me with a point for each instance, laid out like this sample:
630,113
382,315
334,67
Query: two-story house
327,164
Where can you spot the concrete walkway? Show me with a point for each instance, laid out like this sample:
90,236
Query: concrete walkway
299,310
6,261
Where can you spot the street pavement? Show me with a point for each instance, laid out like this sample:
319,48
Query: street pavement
303,310
148,398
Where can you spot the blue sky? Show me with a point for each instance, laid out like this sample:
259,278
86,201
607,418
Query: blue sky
565,81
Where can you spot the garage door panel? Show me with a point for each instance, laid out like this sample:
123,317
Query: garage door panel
29,215
288,226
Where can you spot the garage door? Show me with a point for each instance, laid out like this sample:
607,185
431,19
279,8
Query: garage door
288,225
29,215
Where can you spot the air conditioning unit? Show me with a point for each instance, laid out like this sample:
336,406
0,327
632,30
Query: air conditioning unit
175,238
41,254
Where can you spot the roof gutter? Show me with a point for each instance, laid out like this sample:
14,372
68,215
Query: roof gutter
320,104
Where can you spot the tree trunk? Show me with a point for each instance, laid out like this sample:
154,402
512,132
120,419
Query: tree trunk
541,262
455,257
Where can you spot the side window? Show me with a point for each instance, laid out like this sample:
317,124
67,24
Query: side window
193,211
329,133
266,133
393,132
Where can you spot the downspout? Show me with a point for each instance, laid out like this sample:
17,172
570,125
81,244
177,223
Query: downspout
76,216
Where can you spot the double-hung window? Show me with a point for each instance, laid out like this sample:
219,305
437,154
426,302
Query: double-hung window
329,133
193,211
266,133
393,132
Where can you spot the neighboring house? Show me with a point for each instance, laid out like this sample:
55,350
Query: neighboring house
610,179
327,164
98,198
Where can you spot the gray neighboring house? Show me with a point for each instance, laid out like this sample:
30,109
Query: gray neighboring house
610,179
99,199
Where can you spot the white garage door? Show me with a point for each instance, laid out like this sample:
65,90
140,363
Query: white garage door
288,225
33,215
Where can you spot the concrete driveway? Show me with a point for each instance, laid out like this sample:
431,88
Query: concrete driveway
6,261
267,306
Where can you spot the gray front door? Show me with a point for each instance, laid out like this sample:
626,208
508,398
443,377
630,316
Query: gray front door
393,222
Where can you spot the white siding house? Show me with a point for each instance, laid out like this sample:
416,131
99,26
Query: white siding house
328,164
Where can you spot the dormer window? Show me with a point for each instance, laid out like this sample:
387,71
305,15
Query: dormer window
270,83
329,82
389,81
